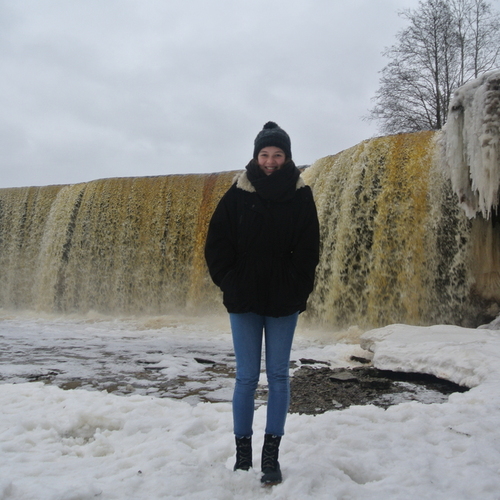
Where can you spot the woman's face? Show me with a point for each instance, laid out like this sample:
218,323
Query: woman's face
270,159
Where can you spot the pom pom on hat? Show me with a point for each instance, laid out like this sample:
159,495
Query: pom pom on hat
272,135
270,125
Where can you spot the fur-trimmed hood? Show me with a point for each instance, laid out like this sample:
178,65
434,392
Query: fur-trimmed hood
242,182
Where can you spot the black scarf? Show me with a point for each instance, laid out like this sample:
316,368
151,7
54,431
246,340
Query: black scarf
279,186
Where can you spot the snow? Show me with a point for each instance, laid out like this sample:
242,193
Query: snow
472,144
87,443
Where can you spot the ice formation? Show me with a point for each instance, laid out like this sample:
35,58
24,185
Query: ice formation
472,144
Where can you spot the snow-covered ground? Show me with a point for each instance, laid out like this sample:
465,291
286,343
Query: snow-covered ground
87,443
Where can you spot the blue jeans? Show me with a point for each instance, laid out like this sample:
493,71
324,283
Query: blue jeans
248,330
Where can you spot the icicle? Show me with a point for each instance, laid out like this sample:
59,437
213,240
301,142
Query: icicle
471,144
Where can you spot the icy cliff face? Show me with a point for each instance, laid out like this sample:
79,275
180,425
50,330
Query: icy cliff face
471,144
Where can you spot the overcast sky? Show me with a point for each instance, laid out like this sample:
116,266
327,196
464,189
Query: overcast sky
110,88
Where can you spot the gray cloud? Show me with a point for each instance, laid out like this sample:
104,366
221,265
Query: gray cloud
94,89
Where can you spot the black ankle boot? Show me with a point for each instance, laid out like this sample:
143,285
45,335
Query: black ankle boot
243,453
270,465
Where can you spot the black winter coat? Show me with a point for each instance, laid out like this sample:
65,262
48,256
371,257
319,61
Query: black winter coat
263,253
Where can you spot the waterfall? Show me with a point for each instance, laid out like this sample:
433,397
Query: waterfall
395,246
124,245
409,232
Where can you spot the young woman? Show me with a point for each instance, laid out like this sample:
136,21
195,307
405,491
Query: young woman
262,249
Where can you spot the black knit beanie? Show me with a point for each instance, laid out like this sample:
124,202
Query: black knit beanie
272,135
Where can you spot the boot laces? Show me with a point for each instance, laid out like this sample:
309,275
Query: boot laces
270,454
243,453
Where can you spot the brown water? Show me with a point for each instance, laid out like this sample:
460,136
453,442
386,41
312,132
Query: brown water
395,245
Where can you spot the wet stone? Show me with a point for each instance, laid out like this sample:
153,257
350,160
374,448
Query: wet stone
316,390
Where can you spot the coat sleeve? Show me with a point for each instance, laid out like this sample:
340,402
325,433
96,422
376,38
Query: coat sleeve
306,253
220,245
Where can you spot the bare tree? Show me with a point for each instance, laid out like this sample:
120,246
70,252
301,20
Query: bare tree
446,43
484,31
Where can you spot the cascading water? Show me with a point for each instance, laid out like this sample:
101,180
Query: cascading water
128,245
395,244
